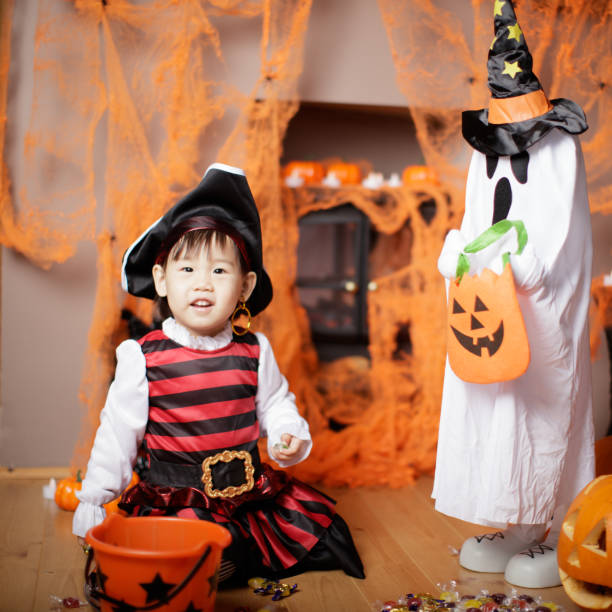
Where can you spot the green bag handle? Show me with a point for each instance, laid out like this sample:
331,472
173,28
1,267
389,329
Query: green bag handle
488,237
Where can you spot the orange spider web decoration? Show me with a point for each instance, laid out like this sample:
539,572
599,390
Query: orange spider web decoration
134,93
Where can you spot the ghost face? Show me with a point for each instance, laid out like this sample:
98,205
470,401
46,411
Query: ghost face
538,186
502,197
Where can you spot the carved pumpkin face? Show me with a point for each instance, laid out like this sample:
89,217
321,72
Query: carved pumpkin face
585,546
486,340
476,343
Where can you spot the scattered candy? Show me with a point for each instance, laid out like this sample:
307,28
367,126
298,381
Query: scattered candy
270,607
449,600
256,583
263,586
62,603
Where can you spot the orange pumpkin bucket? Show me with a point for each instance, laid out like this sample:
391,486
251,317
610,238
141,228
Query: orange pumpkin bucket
486,336
154,563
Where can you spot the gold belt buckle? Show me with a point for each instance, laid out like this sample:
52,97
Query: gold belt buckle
227,456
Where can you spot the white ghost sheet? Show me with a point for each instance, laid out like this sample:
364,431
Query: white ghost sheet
514,452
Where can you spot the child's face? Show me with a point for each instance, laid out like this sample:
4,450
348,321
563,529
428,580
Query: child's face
204,287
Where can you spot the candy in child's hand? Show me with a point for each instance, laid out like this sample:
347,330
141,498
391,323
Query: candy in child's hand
280,446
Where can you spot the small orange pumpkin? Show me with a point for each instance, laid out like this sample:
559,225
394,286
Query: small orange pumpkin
113,505
65,492
419,174
584,551
346,173
310,171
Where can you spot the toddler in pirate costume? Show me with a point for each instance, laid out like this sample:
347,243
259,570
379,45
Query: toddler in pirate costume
513,454
196,396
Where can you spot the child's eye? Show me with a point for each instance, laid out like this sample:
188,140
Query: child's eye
186,269
219,270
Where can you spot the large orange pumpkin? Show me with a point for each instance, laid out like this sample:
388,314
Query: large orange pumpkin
585,546
113,505
346,173
486,336
310,171
65,492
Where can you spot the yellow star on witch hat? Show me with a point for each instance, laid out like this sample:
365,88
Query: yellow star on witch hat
511,69
519,112
515,32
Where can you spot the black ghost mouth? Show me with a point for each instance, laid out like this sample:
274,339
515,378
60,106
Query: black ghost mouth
475,345
502,198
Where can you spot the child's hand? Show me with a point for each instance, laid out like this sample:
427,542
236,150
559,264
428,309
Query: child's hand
287,448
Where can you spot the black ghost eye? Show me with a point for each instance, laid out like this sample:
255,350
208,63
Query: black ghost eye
491,165
519,164
457,307
502,200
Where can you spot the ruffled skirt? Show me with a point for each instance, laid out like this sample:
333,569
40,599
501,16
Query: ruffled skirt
281,527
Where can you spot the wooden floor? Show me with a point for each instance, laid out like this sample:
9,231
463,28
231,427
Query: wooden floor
405,546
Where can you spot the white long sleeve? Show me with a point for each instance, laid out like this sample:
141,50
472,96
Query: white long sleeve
276,409
122,424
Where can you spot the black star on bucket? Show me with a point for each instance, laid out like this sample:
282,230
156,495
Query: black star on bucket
213,581
100,579
192,608
157,589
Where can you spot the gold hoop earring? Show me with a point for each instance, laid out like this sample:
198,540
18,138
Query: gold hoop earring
241,308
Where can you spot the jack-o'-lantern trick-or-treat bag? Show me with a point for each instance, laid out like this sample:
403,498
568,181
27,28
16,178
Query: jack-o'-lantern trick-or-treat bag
486,335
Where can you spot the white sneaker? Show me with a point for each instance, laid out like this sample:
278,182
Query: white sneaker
534,568
490,552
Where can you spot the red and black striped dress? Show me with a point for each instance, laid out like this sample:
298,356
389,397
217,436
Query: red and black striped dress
202,403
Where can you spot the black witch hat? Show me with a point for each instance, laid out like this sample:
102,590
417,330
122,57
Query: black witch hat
519,113
223,194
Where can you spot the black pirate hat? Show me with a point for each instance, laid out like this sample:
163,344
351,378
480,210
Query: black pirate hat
519,112
224,195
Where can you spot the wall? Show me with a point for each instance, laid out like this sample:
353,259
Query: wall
46,314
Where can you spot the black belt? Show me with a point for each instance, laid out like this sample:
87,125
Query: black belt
225,474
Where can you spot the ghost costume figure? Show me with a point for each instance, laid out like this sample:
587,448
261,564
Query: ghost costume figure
518,452
513,455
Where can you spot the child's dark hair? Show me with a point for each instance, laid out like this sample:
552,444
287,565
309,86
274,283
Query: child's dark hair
190,237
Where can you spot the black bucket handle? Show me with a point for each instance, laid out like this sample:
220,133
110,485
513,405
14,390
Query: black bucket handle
93,593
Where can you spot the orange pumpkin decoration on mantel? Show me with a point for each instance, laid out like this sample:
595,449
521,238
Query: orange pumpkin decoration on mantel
419,174
311,172
585,546
346,173
65,492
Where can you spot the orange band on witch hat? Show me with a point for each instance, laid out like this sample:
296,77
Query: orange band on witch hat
518,108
